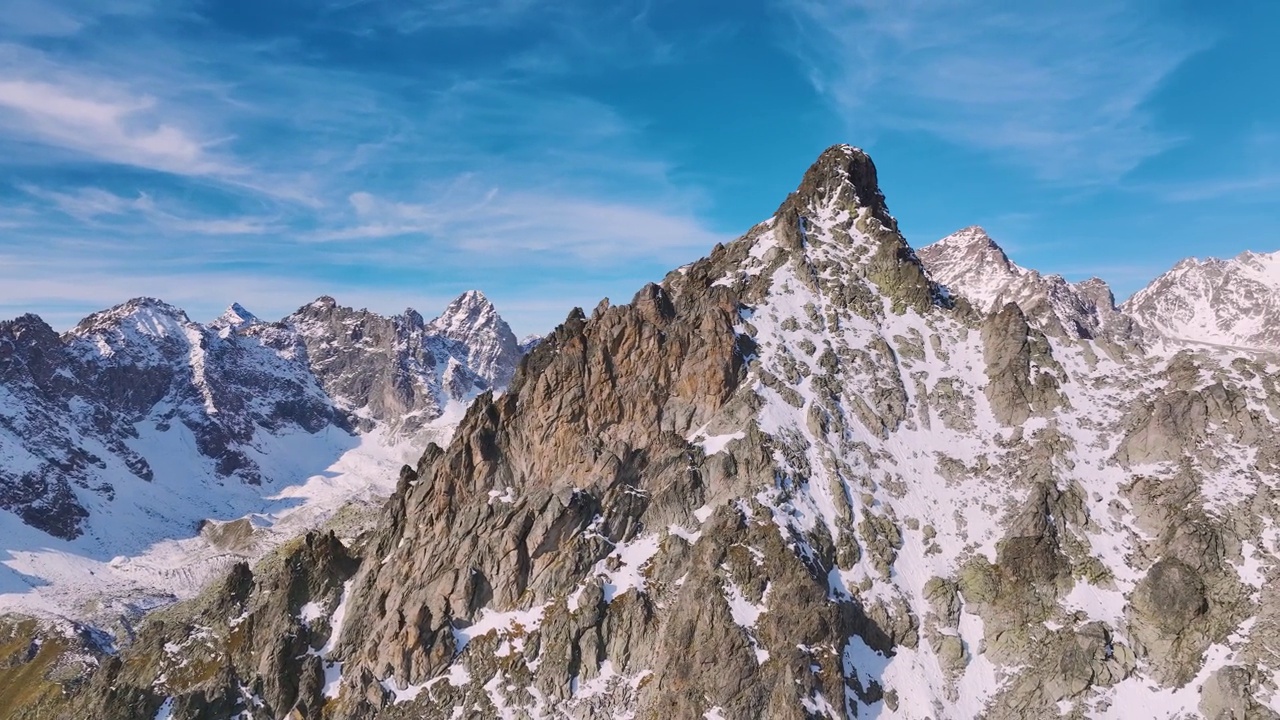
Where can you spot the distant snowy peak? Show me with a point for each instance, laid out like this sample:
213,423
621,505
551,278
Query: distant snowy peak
1221,302
469,316
492,348
142,332
142,316
234,318
972,265
970,254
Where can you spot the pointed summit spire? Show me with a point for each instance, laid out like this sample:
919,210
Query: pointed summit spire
846,174
467,312
972,236
965,250
234,318
472,320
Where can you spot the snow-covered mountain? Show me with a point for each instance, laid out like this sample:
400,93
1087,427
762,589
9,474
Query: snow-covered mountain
139,424
1222,302
492,350
797,479
971,264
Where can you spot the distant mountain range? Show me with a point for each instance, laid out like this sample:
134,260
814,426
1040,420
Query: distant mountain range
86,412
1233,302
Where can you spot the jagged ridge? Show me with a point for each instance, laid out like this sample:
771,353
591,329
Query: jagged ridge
1222,302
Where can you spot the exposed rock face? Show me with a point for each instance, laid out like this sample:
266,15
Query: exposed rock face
971,264
1222,302
1231,694
1022,376
793,480
271,627
402,370
1172,595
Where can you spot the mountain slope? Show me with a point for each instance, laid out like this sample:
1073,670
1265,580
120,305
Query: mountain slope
794,480
1221,302
972,265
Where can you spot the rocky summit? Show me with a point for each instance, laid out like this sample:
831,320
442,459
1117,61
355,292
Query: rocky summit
812,475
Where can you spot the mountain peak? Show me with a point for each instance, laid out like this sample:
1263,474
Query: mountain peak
843,174
834,230
473,321
148,315
234,318
970,237
468,311
413,318
1261,264
973,263
149,304
472,298
1214,301
29,329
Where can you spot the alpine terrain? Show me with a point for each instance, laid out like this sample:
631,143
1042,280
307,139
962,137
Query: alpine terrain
812,475
142,453
1227,302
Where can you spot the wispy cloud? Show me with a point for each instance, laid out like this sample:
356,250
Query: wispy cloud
411,17
104,123
532,229
1256,187
1060,88
84,203
90,204
40,18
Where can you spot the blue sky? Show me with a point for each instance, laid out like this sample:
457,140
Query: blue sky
395,153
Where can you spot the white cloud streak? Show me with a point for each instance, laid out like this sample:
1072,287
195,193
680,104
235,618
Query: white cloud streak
108,125
1060,88
90,204
528,227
